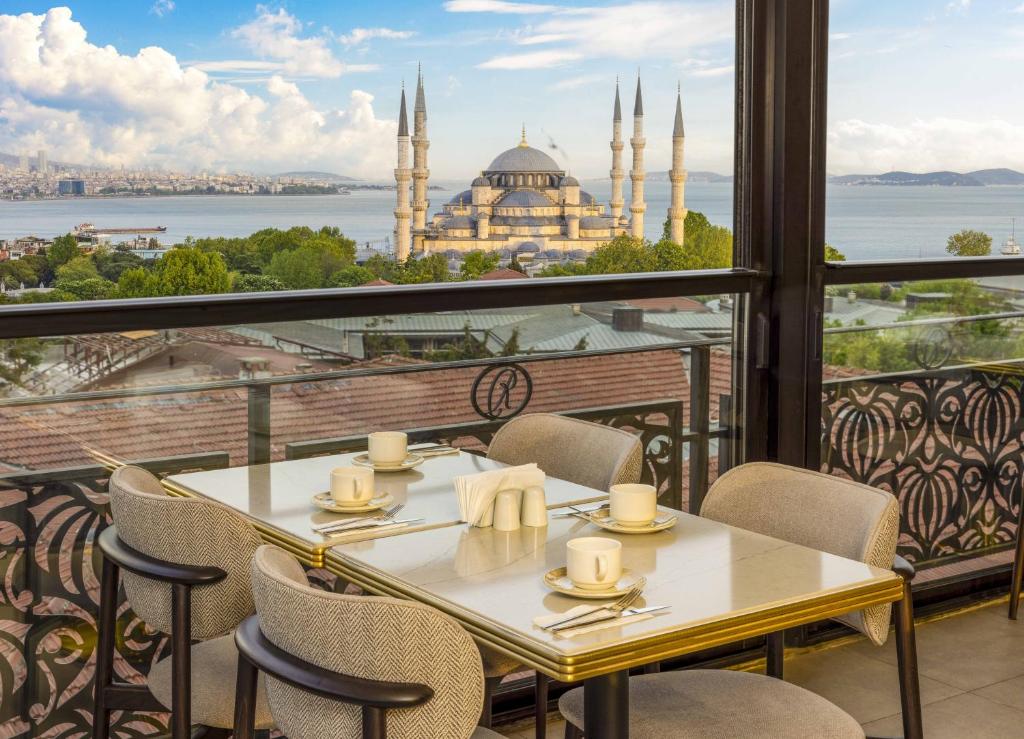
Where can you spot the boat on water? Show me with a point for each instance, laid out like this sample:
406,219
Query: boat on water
88,229
1011,247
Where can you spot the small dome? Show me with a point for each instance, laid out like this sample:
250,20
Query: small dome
460,222
505,254
578,254
528,247
525,199
593,222
586,198
553,254
463,198
523,159
569,181
452,254
481,182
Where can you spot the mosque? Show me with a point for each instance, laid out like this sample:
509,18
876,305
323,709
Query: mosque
523,203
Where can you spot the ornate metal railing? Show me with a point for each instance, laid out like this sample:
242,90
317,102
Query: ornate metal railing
948,442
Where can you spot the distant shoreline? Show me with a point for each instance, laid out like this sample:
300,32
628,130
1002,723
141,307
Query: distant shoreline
344,190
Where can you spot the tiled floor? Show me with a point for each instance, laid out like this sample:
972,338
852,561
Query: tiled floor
972,679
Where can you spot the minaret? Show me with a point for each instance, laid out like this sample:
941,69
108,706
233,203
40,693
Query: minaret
403,213
636,176
616,172
419,164
677,176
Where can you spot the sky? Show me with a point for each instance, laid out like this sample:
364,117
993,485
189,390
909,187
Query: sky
241,86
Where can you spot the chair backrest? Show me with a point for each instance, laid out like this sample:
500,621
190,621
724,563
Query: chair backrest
586,453
367,637
816,510
187,531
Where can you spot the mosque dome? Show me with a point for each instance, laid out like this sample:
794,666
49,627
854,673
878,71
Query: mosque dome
459,222
525,199
592,222
528,247
523,158
481,182
586,198
570,181
463,198
553,254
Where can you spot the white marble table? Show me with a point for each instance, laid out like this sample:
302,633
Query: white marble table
723,584
276,497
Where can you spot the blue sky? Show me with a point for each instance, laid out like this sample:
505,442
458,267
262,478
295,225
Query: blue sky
915,84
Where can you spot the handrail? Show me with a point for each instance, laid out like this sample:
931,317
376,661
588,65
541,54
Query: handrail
913,270
99,316
940,321
195,387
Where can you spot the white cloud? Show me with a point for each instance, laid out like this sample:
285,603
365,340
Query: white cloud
276,36
572,83
161,8
89,103
719,71
636,30
497,6
531,60
958,6
1018,9
839,36
861,147
362,35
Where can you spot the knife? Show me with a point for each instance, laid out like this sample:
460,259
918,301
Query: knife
587,620
366,525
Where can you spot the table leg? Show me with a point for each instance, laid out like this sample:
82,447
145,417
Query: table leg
606,706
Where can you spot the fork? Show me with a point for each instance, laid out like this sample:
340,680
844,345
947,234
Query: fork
385,515
624,602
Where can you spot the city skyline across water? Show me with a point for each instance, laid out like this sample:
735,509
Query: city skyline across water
862,222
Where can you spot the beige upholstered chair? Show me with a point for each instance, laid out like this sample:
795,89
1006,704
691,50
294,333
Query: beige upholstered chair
170,550
356,653
589,454
809,508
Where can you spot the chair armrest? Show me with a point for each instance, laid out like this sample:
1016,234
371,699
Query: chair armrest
155,569
273,661
903,568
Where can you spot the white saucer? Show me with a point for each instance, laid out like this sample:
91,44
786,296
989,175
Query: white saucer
603,518
558,581
412,460
326,502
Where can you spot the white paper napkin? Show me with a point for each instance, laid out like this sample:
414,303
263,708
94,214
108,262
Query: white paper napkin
476,493
552,618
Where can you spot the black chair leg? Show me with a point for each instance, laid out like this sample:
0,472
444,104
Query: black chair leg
775,654
572,731
906,655
245,699
181,661
1018,563
490,685
105,649
540,711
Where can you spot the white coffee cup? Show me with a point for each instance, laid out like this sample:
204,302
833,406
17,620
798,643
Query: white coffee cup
388,447
351,485
633,504
593,562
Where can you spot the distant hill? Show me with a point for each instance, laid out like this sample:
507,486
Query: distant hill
700,176
314,175
980,178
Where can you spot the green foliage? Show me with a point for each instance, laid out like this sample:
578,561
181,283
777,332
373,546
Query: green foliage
969,243
111,264
137,283
18,357
63,249
380,343
87,288
465,347
312,264
833,255
511,347
885,350
190,271
476,263
16,272
77,269
622,254
255,284
352,276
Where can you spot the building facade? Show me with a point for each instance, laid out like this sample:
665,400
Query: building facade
524,204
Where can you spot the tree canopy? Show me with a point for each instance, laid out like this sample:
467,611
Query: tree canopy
969,243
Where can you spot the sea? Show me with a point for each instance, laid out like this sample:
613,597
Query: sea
863,222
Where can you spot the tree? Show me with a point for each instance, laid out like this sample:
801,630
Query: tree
833,255
16,272
511,347
63,249
706,245
18,357
465,347
111,264
969,243
312,264
89,288
255,284
77,269
352,276
190,271
622,254
431,268
137,283
476,263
